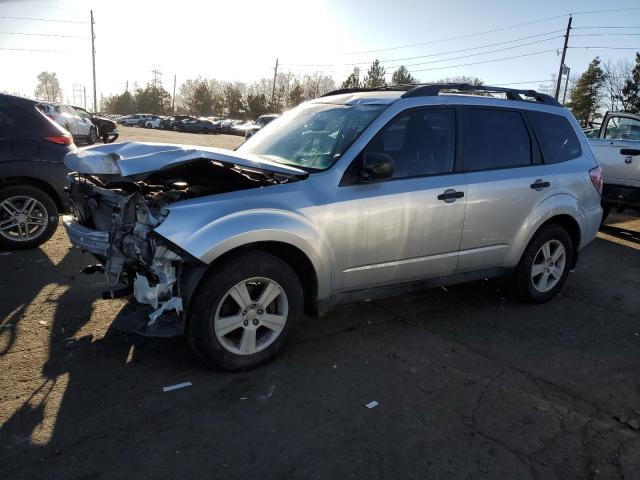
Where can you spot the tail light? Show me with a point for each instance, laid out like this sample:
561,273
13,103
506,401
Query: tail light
65,140
596,178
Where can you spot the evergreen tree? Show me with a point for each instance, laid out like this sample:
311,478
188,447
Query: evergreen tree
351,82
375,76
631,90
402,77
586,96
296,95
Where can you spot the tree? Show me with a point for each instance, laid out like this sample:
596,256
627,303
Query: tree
196,97
123,104
462,79
233,100
616,76
317,84
257,104
586,96
402,77
153,99
296,95
375,75
351,82
631,91
48,87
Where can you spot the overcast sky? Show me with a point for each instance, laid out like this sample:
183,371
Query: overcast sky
240,40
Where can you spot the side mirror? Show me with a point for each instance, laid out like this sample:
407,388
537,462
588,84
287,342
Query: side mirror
376,166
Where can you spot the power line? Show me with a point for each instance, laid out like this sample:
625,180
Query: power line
41,19
36,50
604,34
587,28
41,34
487,61
436,54
606,47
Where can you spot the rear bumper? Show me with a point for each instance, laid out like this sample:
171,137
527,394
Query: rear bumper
93,241
621,195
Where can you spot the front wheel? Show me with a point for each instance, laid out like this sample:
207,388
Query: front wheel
544,266
243,311
28,217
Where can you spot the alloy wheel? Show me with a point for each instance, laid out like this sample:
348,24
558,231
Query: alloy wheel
251,316
22,218
548,265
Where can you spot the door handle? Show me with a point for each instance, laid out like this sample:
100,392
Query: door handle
539,184
450,195
632,152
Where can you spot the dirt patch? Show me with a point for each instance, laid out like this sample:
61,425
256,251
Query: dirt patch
137,134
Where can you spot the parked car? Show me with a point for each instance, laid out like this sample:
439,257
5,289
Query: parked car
260,123
133,120
32,173
354,195
80,127
169,122
617,150
153,121
227,125
107,128
195,125
240,128
591,132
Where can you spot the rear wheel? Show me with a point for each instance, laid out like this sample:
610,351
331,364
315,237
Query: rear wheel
244,311
544,266
28,217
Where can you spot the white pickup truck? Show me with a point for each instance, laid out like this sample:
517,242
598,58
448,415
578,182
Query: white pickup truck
617,150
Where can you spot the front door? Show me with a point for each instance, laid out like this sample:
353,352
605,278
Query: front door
618,153
406,227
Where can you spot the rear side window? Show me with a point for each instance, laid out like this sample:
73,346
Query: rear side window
494,139
557,139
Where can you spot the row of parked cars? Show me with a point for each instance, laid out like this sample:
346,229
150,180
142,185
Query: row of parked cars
188,123
362,193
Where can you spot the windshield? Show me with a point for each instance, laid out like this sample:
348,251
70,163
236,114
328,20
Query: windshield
312,136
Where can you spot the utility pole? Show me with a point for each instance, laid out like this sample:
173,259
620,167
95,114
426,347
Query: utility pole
273,89
84,96
93,58
566,84
173,99
564,53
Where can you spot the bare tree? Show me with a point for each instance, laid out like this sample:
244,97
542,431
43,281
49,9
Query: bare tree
48,87
616,75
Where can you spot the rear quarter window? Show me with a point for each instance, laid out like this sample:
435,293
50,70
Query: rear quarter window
557,139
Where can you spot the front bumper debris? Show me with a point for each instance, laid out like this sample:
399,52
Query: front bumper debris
93,241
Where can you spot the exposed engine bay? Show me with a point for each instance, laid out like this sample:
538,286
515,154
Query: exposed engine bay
114,218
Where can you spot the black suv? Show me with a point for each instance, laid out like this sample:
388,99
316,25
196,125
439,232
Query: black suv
32,175
170,122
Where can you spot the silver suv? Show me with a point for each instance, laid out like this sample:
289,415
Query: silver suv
356,194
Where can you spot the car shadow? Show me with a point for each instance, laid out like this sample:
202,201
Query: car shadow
621,233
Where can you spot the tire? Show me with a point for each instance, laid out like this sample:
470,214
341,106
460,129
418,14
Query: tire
213,302
606,210
174,128
93,136
529,286
44,210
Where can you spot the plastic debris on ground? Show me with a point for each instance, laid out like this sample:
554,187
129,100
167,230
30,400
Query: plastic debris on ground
176,386
372,404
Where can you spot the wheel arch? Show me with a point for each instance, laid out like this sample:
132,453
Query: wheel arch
570,224
38,183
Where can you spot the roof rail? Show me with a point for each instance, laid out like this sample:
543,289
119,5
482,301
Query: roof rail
387,88
428,90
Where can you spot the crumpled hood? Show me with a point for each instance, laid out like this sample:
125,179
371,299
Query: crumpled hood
136,158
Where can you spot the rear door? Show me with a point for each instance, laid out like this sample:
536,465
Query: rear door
505,181
618,152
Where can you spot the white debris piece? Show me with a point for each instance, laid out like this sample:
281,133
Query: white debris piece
176,386
372,404
174,303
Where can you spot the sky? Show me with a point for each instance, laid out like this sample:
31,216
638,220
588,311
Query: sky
518,43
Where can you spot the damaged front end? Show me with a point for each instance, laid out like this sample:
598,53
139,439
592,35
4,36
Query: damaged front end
114,217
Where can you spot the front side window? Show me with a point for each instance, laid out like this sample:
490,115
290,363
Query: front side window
622,128
419,142
312,136
494,139
556,137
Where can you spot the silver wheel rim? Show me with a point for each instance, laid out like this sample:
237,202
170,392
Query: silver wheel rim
251,316
22,218
548,265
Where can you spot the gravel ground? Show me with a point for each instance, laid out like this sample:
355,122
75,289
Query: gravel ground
136,134
469,383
